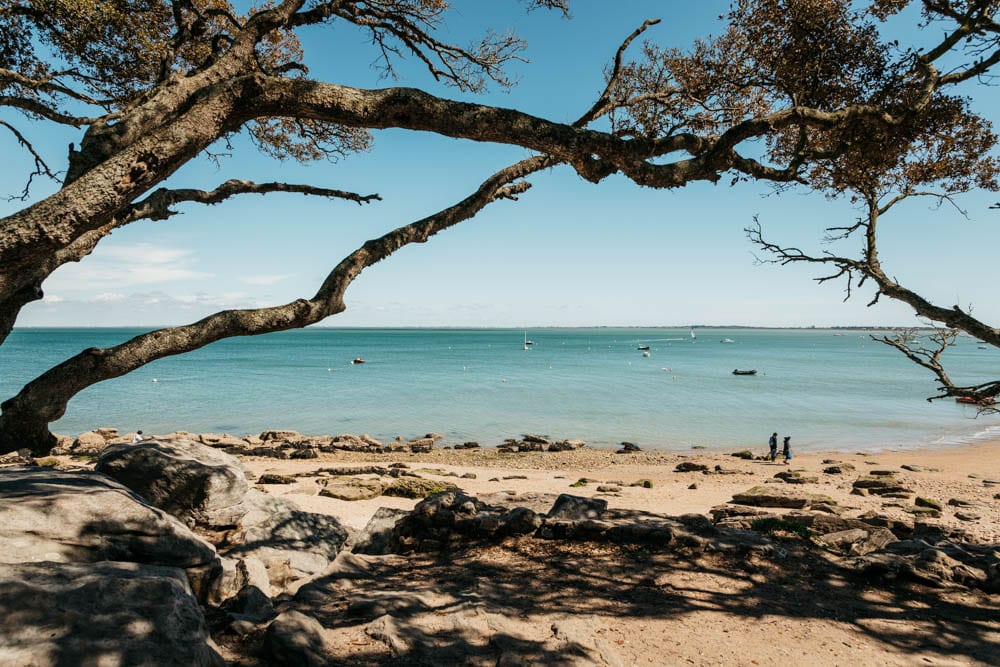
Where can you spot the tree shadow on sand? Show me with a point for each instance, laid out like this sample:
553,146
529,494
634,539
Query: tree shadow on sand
485,602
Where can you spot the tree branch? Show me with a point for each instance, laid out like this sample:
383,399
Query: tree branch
41,167
157,205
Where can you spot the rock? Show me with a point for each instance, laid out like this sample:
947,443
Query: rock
20,457
914,468
268,436
966,515
606,488
644,483
291,543
421,445
796,477
298,640
354,489
628,448
762,496
920,501
920,510
376,537
228,584
304,453
536,439
195,483
415,487
858,541
693,486
251,604
574,508
838,468
275,478
520,521
881,484
107,613
468,445
469,475
690,466
745,454
98,520
89,443
565,445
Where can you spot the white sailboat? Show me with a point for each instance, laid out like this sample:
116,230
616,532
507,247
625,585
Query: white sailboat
692,334
527,343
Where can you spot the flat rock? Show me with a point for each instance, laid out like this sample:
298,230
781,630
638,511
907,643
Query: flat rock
764,496
415,487
355,489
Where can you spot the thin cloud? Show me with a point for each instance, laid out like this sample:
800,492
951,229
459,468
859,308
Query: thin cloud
125,266
264,279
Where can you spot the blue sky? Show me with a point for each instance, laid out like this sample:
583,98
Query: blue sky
569,253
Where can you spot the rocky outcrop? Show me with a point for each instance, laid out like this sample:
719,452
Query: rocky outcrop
107,613
940,564
195,483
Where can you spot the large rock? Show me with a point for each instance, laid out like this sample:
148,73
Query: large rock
291,543
297,639
56,614
89,443
51,515
197,484
576,508
377,535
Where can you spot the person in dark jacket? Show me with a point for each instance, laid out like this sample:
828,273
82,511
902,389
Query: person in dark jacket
773,444
786,449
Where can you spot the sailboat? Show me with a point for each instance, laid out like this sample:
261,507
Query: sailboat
692,334
527,343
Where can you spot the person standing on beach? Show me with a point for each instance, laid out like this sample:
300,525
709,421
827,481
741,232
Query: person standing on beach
772,443
786,449
137,437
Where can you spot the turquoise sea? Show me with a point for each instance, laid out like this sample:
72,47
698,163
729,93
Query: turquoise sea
827,389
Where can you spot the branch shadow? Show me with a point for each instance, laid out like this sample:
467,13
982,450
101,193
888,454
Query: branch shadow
531,580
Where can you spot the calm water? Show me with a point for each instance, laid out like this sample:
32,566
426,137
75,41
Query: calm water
825,389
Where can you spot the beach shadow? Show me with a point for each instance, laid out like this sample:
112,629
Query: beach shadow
535,581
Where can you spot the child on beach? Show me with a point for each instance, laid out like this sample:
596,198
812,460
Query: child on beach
772,443
786,449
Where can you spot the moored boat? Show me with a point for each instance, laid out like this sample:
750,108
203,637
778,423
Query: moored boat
752,371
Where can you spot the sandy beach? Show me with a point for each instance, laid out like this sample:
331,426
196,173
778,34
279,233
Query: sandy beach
969,473
575,603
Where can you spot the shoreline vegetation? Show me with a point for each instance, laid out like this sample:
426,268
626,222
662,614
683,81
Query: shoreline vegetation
581,556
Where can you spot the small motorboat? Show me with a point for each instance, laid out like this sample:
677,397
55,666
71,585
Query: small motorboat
968,400
357,360
752,371
727,340
646,347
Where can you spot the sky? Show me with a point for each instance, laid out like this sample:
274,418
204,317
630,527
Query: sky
568,253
